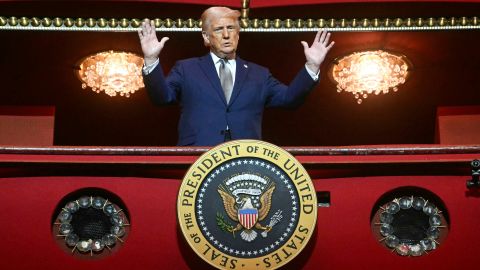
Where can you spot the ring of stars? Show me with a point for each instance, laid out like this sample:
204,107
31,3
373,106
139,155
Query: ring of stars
244,252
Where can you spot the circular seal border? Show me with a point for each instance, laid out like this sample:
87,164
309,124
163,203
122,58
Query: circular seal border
198,172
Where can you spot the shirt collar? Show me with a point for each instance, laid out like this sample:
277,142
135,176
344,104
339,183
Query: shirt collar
215,58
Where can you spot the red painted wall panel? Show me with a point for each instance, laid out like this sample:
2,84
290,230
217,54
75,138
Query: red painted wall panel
343,239
265,3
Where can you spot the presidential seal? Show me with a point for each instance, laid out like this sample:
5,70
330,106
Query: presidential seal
247,205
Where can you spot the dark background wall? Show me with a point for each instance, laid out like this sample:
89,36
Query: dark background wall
37,68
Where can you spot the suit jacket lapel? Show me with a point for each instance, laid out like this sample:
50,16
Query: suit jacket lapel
240,75
208,68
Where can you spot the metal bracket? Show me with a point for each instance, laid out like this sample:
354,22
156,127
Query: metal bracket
475,181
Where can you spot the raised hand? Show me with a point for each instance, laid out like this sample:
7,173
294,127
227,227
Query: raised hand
151,47
316,53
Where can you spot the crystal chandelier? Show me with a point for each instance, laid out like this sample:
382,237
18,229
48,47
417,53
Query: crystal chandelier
364,73
112,72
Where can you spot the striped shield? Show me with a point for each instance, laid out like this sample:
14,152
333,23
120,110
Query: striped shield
248,217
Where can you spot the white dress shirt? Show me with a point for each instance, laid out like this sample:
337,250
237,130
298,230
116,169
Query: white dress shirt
232,65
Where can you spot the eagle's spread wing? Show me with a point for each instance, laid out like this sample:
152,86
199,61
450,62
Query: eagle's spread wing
266,201
229,204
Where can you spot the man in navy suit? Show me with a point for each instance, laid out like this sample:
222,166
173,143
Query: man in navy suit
222,96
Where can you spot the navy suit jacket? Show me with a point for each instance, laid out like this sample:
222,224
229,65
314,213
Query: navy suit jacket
194,84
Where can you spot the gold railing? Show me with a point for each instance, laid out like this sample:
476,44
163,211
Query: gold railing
248,25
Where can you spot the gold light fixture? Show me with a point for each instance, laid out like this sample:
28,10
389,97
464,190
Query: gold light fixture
112,72
369,72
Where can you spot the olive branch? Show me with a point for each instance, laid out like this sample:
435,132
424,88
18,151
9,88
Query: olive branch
223,224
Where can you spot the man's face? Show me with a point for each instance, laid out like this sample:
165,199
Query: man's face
222,37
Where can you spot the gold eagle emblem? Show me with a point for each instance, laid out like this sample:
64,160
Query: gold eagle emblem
239,208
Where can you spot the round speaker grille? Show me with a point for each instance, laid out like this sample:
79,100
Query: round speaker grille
410,225
91,224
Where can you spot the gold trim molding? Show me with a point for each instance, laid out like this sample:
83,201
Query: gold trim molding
248,25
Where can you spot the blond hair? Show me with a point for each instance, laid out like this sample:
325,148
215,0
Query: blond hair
218,12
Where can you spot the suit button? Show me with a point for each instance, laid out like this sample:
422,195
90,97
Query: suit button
228,110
